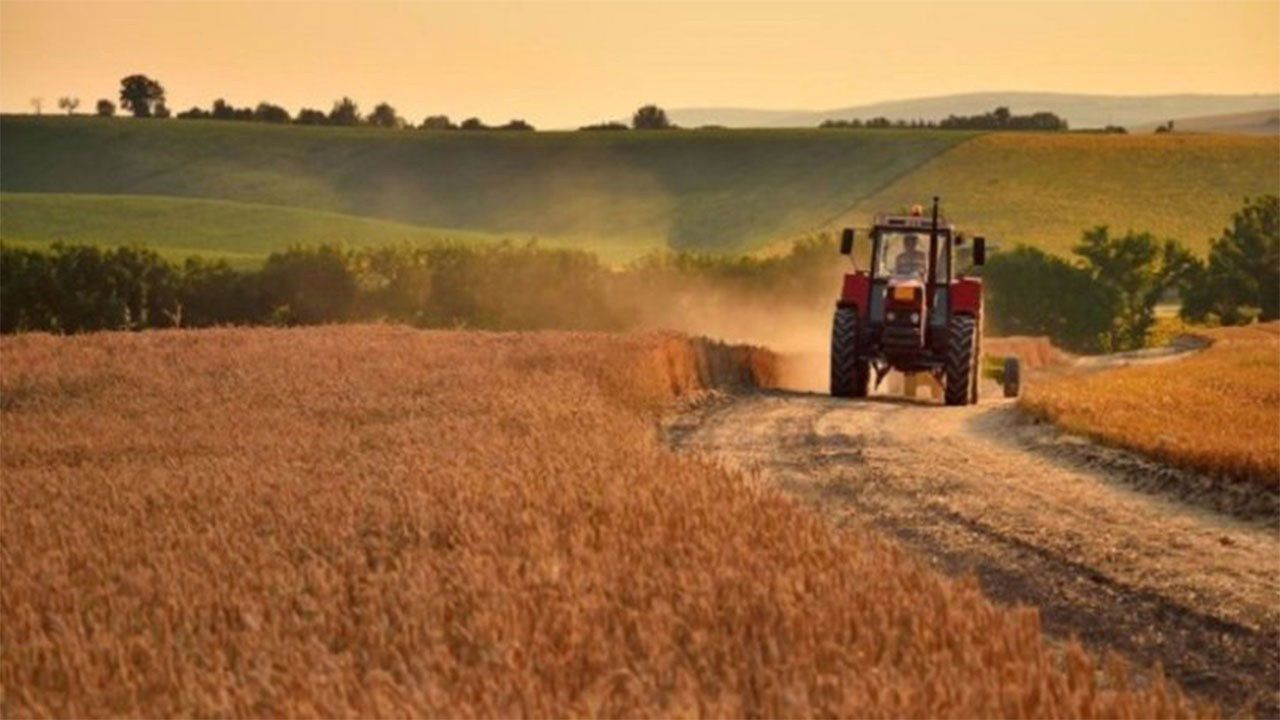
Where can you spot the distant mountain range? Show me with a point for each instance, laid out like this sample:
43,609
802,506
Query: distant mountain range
1080,111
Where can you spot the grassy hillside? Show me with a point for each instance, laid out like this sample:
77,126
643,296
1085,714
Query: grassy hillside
710,190
1262,122
179,227
1044,189
618,193
1080,110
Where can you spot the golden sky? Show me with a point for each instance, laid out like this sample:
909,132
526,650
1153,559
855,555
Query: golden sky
563,64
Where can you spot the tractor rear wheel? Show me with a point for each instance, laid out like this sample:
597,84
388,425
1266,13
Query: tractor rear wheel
961,360
977,363
850,375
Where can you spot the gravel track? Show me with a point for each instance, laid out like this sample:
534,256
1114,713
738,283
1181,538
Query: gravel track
1081,534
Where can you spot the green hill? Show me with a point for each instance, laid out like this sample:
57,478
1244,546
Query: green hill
244,189
242,233
632,191
1045,189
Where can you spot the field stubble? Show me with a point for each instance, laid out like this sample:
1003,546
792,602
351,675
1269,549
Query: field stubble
1217,412
380,521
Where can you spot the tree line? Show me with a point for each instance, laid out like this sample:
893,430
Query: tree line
344,113
1102,300
506,286
999,119
1105,300
144,97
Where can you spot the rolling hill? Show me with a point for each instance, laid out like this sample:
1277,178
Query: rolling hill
241,233
242,190
1261,122
1080,111
1045,189
633,191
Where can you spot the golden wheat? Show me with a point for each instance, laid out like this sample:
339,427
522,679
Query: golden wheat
1217,411
384,522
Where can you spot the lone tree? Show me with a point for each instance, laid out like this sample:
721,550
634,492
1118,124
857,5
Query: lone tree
140,95
37,104
267,112
651,117
345,112
438,122
222,110
384,115
311,116
106,108
69,104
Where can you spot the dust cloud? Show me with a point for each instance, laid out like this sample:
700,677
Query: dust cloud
797,329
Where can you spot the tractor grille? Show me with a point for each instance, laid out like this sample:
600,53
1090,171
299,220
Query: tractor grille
901,338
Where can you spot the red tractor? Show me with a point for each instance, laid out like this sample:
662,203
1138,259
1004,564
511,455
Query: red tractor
908,312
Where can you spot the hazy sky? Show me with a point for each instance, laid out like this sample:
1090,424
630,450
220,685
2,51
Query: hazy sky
560,64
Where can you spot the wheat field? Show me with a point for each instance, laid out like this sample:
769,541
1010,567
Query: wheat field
1217,411
378,521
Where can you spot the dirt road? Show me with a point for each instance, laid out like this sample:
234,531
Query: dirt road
1037,518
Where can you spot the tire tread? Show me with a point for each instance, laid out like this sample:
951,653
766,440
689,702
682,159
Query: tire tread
960,361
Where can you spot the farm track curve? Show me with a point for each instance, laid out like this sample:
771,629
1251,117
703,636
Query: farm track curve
978,490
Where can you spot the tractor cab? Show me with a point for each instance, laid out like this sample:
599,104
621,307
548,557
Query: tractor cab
901,253
908,311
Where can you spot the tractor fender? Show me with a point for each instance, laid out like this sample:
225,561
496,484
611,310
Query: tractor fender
966,296
855,293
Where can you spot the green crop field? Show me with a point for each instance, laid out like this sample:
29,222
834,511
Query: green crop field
1045,189
630,191
241,233
241,190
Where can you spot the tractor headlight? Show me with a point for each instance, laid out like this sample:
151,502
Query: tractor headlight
915,318
890,316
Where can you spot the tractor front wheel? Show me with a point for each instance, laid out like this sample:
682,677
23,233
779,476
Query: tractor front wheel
1011,379
961,360
850,376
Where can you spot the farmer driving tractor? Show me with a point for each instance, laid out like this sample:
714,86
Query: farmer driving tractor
912,260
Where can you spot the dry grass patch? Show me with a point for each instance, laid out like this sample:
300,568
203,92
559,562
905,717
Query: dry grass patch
384,522
1217,411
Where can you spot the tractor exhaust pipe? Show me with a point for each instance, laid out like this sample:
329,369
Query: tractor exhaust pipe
933,245
933,270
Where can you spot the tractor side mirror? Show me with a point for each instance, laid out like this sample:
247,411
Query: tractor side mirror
846,241
979,250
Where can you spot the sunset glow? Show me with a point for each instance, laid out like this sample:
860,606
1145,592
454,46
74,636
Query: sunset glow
565,64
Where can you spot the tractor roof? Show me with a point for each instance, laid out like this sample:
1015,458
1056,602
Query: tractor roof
910,222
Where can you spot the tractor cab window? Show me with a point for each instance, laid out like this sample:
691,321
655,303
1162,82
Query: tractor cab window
905,254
